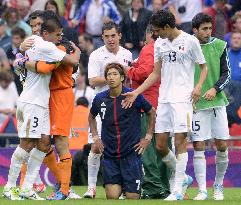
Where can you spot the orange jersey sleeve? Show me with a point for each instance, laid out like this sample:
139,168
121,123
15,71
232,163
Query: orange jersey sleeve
46,67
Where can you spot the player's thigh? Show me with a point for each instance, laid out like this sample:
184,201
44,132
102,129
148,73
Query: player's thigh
163,119
33,120
220,124
131,172
111,171
113,191
201,125
181,115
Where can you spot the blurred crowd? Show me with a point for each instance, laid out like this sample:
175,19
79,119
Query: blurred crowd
82,21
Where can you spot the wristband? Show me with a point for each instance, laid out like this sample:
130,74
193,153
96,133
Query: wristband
148,137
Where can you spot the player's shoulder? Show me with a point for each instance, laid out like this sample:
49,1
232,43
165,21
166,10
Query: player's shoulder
101,95
125,51
126,89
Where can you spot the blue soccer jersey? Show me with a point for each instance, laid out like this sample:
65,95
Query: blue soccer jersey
121,128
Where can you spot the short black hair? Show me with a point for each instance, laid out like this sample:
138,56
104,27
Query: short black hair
109,26
82,101
199,19
118,67
18,32
162,18
36,14
51,22
87,37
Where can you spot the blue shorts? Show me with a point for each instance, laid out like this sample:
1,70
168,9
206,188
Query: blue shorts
127,172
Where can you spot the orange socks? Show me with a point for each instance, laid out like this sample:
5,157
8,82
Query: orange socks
51,163
64,166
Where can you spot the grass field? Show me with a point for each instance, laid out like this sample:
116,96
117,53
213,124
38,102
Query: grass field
232,196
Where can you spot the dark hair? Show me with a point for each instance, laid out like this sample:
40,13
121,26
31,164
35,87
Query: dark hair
118,67
8,11
199,19
36,14
18,32
109,26
51,22
52,2
162,18
87,37
82,101
6,75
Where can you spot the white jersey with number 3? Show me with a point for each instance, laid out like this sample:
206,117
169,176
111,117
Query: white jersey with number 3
178,58
36,87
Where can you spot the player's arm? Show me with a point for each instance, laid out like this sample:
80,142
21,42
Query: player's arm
41,66
97,81
153,77
224,72
73,58
151,123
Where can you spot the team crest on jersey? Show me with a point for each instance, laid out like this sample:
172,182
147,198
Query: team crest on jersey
181,47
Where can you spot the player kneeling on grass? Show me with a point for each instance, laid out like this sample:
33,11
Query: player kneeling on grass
120,141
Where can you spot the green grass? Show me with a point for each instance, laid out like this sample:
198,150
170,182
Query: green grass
232,196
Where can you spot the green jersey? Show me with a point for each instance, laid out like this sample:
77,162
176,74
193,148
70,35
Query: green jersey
216,57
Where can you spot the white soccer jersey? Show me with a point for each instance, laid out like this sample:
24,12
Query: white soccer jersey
178,64
36,87
101,57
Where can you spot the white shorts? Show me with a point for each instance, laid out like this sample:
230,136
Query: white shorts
99,123
173,117
32,120
211,123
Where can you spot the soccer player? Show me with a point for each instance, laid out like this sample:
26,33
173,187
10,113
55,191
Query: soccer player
61,108
155,183
110,52
210,117
175,55
120,141
33,112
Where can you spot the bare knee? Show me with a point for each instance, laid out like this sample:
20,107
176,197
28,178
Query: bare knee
162,143
199,146
44,144
61,145
132,195
113,191
27,144
221,145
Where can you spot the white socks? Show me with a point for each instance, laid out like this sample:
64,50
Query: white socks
180,171
35,160
199,163
38,180
221,166
18,157
170,161
93,168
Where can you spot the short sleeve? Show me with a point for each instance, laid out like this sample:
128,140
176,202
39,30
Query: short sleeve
157,51
197,51
51,52
143,104
93,66
94,106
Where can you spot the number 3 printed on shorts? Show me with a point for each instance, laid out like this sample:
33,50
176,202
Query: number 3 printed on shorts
35,122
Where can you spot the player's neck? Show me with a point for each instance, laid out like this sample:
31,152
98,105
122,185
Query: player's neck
174,34
114,51
115,92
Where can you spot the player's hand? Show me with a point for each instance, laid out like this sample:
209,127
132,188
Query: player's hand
98,143
210,94
130,98
196,93
129,45
26,44
142,145
74,23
